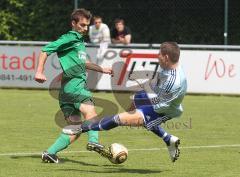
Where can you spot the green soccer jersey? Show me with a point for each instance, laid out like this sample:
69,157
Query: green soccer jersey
71,52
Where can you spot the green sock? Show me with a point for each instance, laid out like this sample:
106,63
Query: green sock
61,143
93,136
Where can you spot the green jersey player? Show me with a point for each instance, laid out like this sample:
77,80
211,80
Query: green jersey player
74,97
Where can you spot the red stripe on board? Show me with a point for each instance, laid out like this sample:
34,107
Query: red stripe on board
128,59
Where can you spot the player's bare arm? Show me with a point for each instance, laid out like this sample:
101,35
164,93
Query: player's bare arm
95,67
40,76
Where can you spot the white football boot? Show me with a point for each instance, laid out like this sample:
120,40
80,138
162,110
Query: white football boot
173,149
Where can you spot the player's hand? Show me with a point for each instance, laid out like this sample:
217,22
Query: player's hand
108,71
40,77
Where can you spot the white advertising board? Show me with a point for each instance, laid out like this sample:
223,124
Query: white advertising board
206,71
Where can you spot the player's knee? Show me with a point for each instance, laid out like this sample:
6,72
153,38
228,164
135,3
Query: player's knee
92,115
88,110
131,118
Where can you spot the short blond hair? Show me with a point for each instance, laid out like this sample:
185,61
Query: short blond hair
172,50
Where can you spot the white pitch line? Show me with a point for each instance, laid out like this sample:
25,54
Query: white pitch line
190,147
142,149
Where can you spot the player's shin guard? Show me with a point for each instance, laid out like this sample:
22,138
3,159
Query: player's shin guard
106,123
159,131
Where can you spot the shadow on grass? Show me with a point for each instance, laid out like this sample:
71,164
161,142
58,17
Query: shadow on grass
62,160
116,170
103,168
26,156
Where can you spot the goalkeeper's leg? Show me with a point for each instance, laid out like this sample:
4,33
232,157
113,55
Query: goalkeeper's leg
131,118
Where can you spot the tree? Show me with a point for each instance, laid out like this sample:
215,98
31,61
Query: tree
8,18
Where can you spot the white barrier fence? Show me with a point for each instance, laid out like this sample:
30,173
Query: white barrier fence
208,71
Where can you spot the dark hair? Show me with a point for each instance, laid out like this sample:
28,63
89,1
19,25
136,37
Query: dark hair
80,13
119,20
97,17
172,50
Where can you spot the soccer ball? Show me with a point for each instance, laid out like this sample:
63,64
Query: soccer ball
119,153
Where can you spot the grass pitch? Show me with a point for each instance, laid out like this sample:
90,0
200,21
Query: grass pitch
209,131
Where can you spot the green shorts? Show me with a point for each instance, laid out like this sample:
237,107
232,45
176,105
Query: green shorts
70,102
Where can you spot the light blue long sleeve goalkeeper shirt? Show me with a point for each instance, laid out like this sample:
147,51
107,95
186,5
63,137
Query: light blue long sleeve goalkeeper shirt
169,91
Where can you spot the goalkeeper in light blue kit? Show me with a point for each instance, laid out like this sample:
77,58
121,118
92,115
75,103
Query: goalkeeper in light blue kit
153,106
